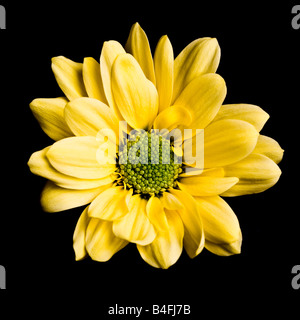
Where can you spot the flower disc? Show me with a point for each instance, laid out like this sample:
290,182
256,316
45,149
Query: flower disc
148,164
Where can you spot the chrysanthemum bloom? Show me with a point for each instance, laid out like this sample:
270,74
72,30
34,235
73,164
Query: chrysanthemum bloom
159,207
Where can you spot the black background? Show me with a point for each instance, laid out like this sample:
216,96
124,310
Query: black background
260,63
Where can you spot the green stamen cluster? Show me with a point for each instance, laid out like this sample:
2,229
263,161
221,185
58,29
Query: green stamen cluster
146,164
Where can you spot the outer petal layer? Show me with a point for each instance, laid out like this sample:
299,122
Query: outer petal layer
221,226
138,45
193,228
156,214
101,243
166,249
110,51
225,249
269,148
256,173
199,57
164,71
228,141
92,79
110,204
68,75
135,226
135,96
50,115
54,198
86,116
203,98
40,165
206,186
79,235
246,112
77,157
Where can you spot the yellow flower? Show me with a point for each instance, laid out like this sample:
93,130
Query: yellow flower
161,207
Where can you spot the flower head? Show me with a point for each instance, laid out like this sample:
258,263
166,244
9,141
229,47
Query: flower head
126,133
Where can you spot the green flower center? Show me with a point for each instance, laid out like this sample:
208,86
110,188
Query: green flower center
148,164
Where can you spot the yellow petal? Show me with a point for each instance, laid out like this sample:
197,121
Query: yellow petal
50,115
156,214
135,226
86,116
110,51
92,79
135,96
246,112
54,198
199,57
40,165
221,226
101,243
77,157
138,45
79,235
256,173
228,141
193,235
111,204
171,117
212,172
269,147
171,202
164,71
193,151
206,186
225,249
203,98
166,248
68,75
